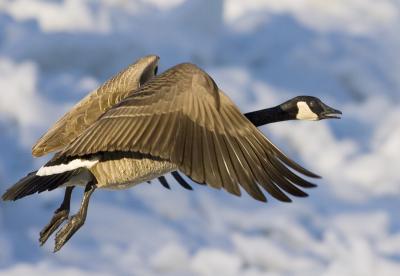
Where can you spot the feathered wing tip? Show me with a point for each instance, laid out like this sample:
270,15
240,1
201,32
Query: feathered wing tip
32,183
18,189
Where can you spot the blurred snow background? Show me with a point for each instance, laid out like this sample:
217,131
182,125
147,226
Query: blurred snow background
261,52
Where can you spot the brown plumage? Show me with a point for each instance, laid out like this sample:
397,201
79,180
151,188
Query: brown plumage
138,126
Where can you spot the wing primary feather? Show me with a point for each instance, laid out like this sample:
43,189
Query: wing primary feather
278,174
213,176
247,183
187,154
197,172
242,168
181,181
197,156
285,184
297,180
211,168
288,161
266,182
178,150
225,167
164,182
167,127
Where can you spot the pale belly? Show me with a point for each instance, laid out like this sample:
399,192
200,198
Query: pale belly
80,179
119,172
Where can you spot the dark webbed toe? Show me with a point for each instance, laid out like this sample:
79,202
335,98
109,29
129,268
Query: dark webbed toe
65,233
58,218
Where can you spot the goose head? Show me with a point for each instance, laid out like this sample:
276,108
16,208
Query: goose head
309,108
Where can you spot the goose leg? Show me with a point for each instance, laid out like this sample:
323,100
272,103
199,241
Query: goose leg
60,215
76,221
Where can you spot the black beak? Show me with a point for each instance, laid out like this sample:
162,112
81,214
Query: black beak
330,113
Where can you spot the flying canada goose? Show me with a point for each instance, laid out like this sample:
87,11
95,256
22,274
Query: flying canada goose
138,126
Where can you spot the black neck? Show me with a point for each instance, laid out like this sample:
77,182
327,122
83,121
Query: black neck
268,116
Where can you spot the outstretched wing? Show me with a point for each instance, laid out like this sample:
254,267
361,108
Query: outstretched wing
89,109
182,116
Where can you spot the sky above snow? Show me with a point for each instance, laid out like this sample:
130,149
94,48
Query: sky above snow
261,53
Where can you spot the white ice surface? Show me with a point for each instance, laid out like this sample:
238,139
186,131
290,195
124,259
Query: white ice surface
261,53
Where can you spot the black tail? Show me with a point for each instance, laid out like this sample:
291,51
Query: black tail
32,183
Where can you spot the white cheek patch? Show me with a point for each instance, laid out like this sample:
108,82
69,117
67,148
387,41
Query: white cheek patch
305,113
72,165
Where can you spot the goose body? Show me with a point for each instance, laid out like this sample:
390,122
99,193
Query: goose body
121,171
139,126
